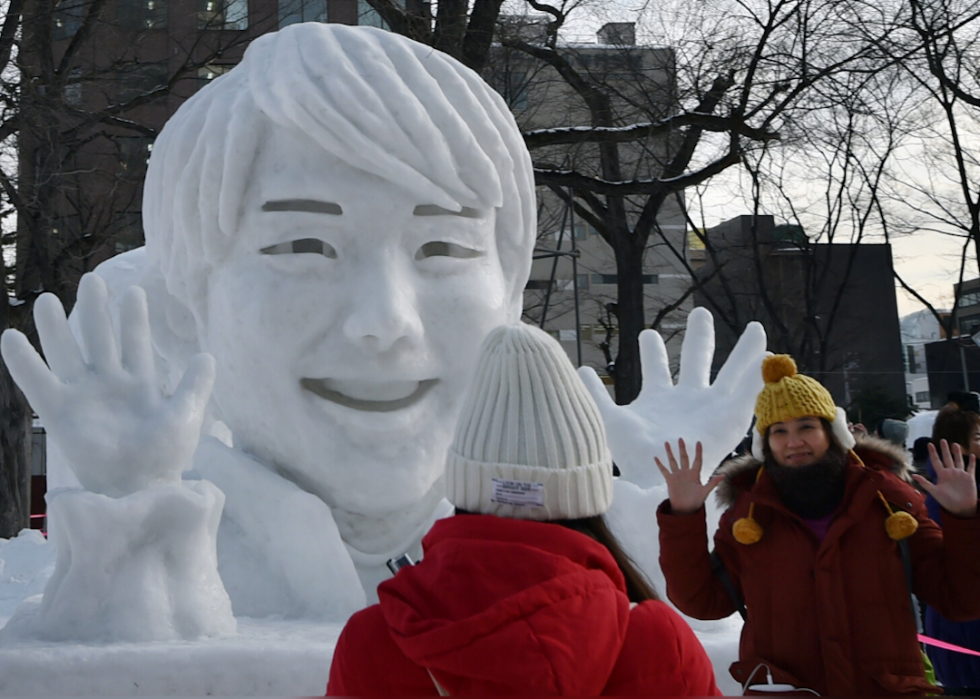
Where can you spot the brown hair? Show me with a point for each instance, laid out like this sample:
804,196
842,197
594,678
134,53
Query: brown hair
955,425
638,588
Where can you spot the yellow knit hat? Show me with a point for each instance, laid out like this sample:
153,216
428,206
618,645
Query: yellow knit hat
788,395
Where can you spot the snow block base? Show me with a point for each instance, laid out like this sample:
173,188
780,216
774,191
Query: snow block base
265,658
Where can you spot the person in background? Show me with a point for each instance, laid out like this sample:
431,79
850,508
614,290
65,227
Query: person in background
524,591
811,543
894,431
920,454
959,672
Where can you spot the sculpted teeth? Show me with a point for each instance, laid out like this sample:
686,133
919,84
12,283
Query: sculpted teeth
369,396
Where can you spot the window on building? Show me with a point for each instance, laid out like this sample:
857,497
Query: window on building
296,11
582,231
222,14
537,284
969,298
68,18
127,231
134,155
66,227
73,88
969,325
210,72
367,16
141,14
140,79
515,89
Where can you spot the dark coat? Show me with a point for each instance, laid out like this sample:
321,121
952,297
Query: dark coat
835,615
504,606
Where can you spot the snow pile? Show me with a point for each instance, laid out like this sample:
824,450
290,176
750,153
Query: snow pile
26,564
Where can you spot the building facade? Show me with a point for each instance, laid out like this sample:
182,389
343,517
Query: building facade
573,290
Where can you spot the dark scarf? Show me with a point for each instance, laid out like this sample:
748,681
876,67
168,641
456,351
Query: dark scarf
813,491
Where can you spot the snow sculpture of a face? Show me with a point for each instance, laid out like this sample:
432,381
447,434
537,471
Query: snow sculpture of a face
345,285
345,323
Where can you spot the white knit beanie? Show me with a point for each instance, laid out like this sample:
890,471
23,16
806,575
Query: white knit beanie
530,443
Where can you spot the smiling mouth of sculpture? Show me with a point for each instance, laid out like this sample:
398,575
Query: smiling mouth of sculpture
369,396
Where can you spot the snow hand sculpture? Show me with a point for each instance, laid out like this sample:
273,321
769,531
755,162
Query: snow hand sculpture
101,403
716,415
137,556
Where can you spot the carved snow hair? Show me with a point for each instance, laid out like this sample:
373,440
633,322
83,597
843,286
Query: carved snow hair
380,102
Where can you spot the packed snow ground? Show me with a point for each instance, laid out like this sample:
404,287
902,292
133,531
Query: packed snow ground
267,657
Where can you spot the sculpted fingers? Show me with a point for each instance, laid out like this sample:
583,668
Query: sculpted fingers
29,371
697,350
598,391
742,369
192,394
136,348
57,342
654,364
95,325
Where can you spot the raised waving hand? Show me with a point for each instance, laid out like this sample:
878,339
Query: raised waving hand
684,488
100,400
716,415
955,488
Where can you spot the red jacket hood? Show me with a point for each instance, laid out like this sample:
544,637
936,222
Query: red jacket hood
555,623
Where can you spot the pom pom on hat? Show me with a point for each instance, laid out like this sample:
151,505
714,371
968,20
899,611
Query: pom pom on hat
788,395
530,442
778,366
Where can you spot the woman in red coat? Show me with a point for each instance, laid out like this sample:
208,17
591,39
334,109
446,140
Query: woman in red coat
815,540
527,592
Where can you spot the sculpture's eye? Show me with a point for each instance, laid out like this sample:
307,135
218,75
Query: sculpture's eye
441,248
301,246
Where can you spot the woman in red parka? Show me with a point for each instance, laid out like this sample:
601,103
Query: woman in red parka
815,539
525,591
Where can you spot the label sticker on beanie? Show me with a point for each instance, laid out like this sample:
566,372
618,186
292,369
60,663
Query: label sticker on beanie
520,493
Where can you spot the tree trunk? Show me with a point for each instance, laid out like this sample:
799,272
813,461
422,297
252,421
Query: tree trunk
15,463
630,314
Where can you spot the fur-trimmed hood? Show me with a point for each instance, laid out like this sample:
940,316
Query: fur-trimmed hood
740,472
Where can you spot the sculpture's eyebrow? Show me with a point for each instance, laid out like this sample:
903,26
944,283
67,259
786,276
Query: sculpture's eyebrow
433,210
313,206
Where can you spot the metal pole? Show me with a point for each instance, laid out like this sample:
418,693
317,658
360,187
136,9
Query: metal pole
578,319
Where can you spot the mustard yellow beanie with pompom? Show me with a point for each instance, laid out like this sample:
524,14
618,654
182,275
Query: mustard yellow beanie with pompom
788,395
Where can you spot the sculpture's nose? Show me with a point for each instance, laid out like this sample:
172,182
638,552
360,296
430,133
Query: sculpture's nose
383,312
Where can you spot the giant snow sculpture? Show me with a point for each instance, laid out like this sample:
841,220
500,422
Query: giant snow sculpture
338,221
332,228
